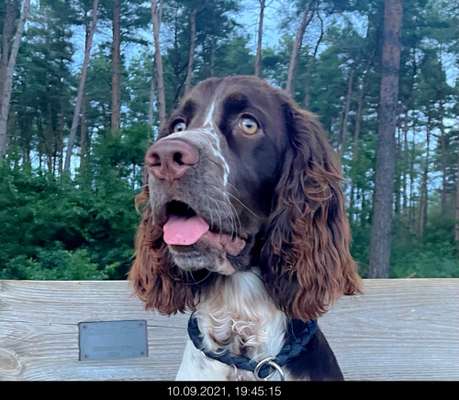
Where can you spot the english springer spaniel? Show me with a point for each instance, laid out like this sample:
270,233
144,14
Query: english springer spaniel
244,225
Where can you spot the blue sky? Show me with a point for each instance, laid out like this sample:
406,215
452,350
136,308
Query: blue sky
248,18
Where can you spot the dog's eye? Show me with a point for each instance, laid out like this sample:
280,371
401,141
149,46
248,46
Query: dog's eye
179,126
248,125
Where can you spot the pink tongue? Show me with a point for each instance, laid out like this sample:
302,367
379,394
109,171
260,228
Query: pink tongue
182,231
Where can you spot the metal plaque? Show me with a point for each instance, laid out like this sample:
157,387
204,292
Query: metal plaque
102,340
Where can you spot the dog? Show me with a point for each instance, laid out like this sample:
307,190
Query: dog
243,224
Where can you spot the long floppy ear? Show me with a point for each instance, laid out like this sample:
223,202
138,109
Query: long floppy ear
306,260
156,280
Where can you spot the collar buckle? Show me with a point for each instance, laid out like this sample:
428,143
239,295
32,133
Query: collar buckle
268,361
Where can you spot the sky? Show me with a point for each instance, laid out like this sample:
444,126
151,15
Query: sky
248,18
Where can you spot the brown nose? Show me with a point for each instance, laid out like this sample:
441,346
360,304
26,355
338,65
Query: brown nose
169,159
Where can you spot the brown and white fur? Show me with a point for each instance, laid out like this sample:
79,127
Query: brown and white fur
236,314
242,156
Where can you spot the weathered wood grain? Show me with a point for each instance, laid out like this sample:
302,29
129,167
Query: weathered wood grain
405,329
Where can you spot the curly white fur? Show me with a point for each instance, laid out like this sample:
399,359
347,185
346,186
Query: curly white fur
237,314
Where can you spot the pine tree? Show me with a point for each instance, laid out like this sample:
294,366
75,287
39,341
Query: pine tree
380,246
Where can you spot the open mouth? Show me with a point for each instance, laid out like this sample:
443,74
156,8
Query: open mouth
184,227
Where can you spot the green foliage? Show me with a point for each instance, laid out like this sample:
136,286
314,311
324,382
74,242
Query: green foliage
64,229
434,256
234,58
139,80
53,265
56,227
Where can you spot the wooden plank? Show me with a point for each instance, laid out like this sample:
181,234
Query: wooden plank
39,331
400,329
405,329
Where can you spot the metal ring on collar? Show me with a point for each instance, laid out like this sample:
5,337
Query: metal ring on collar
269,361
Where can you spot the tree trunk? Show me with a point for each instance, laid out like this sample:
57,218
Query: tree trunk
305,20
356,138
176,62
444,145
456,227
60,144
311,64
412,159
161,96
27,164
51,138
116,68
363,208
358,119
83,138
345,116
7,36
405,163
398,171
306,88
212,58
259,39
151,101
25,126
422,218
443,163
380,243
189,71
80,93
8,81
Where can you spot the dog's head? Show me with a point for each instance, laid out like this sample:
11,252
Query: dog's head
241,177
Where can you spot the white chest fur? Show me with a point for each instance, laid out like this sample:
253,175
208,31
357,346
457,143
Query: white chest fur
237,314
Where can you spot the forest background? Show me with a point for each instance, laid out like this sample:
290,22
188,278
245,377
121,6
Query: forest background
84,86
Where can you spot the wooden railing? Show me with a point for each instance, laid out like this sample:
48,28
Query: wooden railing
400,329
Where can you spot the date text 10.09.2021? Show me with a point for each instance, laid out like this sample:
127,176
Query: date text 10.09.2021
238,390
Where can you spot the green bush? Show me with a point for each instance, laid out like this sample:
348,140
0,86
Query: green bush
432,256
82,228
53,265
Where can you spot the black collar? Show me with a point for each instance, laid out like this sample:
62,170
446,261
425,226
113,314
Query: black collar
298,335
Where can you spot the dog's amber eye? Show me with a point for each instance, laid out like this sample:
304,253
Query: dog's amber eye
179,126
248,125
